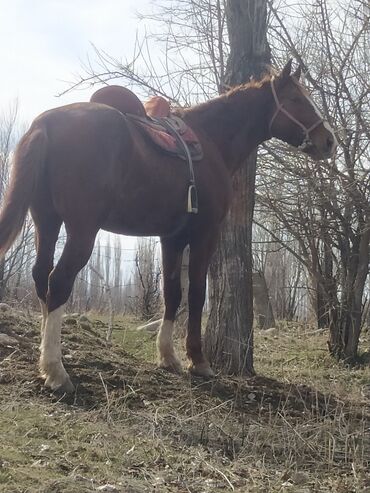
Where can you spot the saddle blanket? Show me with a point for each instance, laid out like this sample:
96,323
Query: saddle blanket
160,132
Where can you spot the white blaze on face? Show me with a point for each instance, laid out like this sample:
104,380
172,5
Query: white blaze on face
328,127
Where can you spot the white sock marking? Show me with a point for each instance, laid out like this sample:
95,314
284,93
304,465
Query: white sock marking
51,354
44,313
165,339
166,352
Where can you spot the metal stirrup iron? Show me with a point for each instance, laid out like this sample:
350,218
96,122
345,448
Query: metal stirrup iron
192,203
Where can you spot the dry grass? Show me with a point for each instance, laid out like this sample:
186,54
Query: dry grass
302,426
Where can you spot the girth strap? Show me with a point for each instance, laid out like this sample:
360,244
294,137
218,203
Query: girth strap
192,205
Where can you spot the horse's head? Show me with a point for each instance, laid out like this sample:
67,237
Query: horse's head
295,118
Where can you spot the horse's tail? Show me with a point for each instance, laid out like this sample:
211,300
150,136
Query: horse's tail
28,160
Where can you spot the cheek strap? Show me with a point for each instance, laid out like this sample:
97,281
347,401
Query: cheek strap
280,108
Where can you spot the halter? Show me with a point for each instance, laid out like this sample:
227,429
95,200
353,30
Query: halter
279,107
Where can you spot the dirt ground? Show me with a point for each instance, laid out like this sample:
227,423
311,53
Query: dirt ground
302,425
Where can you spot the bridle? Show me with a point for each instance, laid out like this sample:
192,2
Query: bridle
280,108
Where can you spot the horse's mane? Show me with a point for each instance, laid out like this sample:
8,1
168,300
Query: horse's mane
252,83
223,98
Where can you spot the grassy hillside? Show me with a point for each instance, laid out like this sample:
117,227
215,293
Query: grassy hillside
302,425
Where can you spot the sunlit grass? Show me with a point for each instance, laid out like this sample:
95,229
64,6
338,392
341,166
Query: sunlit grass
301,426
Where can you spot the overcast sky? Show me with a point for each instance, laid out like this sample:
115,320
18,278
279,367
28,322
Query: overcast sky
44,42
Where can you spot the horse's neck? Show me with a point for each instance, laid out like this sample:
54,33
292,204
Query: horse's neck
236,122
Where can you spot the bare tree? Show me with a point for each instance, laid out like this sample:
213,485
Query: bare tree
326,208
285,276
117,275
147,277
263,312
13,266
192,64
229,333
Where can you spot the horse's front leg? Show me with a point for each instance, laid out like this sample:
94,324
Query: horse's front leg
171,263
200,254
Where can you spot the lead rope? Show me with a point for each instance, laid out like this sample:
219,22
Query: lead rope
192,203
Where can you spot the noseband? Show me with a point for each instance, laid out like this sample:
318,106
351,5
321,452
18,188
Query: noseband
280,108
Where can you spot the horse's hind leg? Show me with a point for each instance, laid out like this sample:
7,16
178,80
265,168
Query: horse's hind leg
46,232
75,255
171,261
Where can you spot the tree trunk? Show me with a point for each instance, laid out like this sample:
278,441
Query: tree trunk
2,279
322,312
345,333
262,304
229,332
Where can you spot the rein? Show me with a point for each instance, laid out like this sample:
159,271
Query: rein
280,108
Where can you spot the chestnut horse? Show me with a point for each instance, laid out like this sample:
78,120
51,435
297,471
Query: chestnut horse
88,166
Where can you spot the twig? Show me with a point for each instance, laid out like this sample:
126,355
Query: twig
106,396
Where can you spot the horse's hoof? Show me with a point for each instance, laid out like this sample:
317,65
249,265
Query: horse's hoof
65,387
201,370
171,364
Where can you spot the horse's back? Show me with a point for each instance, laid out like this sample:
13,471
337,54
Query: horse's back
101,165
80,131
78,118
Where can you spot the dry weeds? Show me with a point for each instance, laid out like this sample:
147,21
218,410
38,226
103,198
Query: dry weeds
302,427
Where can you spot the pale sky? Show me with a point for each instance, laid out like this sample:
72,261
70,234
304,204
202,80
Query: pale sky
44,42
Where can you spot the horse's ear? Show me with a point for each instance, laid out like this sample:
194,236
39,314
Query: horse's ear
297,73
285,73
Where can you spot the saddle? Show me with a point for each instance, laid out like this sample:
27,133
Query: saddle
168,132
